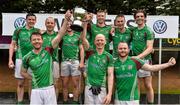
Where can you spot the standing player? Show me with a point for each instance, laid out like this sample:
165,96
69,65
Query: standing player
40,61
99,70
21,45
100,28
71,47
142,46
125,67
121,33
48,36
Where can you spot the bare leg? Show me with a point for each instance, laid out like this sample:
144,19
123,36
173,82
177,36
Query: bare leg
20,90
56,87
149,89
139,86
29,89
76,81
65,81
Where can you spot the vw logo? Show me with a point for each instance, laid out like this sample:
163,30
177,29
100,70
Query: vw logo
160,26
20,22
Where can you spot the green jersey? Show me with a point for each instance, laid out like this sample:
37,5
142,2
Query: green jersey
120,37
95,30
22,38
97,66
126,79
47,43
70,46
139,39
41,66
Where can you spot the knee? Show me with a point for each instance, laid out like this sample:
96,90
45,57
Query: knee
21,85
76,86
65,87
149,86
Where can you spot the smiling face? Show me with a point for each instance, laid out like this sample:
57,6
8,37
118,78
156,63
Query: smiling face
30,21
36,40
69,26
140,17
120,22
101,16
50,24
100,41
123,49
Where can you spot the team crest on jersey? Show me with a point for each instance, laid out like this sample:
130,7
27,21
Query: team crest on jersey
42,55
104,61
130,67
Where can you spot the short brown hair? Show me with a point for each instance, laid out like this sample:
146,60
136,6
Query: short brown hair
140,11
36,33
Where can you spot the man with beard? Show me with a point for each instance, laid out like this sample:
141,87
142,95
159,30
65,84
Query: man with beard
21,45
40,61
125,68
142,47
48,36
72,51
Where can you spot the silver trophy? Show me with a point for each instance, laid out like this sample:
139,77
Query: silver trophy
78,15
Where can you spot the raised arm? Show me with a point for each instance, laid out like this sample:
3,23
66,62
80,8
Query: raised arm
85,42
158,67
55,42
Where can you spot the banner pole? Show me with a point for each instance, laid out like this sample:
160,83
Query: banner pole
159,76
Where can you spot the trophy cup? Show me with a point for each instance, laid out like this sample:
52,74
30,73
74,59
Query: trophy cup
78,14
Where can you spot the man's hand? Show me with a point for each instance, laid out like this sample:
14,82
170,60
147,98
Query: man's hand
68,15
81,67
112,31
11,64
107,99
172,61
88,17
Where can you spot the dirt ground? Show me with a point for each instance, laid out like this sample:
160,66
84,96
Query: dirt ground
170,79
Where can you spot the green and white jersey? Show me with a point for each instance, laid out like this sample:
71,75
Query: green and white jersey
97,68
120,37
47,43
22,38
140,37
41,66
70,46
126,79
100,30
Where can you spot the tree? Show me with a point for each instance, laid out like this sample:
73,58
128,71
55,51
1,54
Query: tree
153,7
